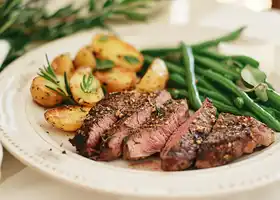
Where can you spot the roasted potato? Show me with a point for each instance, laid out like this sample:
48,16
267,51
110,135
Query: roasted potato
117,79
85,58
85,88
155,78
109,47
63,63
67,118
43,95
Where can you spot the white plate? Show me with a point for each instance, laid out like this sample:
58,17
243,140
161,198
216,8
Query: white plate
25,132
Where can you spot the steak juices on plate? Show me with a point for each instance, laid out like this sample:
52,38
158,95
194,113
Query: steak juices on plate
138,125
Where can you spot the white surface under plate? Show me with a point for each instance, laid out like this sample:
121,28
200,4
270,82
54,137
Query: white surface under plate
1,158
27,136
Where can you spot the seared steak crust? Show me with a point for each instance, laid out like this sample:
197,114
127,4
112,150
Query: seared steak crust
231,137
101,117
152,136
181,148
110,147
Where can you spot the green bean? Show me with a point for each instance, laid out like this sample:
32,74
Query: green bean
177,78
274,98
160,51
217,67
247,113
244,60
188,60
273,111
205,83
210,54
250,104
225,38
225,108
206,44
238,102
171,67
176,93
205,91
269,110
269,85
214,95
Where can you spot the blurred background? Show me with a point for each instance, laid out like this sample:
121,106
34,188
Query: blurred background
256,5
25,24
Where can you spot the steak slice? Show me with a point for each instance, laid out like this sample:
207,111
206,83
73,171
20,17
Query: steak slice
101,117
152,136
111,144
181,148
231,137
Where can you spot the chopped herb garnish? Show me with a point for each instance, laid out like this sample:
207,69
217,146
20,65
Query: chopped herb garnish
104,64
132,59
103,38
87,85
104,90
159,111
82,109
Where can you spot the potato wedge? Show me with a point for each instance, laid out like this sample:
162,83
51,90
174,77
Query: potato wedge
155,78
117,79
85,58
109,47
85,88
67,118
43,95
63,63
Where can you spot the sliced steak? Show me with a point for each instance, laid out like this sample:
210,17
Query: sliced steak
231,137
101,117
152,136
111,144
181,148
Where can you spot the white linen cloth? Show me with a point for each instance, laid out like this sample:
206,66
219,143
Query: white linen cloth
31,185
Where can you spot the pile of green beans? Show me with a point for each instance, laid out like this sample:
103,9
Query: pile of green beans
202,45
201,73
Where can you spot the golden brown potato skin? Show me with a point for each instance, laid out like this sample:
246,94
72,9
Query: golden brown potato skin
155,78
67,118
109,47
117,79
82,98
43,95
63,63
84,58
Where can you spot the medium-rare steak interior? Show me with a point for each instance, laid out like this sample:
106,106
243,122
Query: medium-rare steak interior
110,146
138,125
101,118
231,137
152,136
181,148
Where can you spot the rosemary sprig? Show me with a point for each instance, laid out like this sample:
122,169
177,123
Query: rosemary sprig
22,23
48,74
87,85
